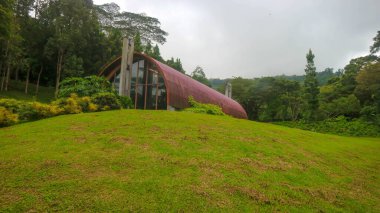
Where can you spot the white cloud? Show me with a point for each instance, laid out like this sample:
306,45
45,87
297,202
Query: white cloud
261,38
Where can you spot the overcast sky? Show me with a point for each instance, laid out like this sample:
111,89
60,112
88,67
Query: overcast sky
261,38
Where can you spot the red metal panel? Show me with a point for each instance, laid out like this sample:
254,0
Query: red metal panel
180,86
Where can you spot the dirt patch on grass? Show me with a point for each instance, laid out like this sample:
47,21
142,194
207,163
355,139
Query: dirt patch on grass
10,136
278,164
50,164
8,196
155,129
77,128
248,139
121,139
253,194
80,139
327,194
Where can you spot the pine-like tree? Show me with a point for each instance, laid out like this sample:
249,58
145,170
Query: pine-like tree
148,48
156,53
311,87
137,43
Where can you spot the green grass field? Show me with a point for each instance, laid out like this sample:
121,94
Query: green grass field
177,161
16,90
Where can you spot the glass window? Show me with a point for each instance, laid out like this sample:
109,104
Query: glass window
151,97
134,73
161,97
155,78
133,93
140,97
141,63
141,77
147,86
116,81
161,80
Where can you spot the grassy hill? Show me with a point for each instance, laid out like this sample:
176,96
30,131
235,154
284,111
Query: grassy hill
176,161
16,90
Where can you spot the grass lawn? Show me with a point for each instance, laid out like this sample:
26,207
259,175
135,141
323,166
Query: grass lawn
16,90
177,161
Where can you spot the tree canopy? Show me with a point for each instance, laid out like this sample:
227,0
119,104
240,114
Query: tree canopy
199,75
50,40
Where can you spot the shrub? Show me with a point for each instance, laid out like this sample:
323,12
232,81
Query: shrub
75,104
87,86
28,111
106,101
87,105
11,104
369,113
70,105
197,107
38,111
340,126
7,117
126,102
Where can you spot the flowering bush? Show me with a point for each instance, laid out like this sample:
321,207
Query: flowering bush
7,117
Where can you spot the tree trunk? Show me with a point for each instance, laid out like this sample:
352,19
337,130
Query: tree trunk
6,59
59,70
2,81
38,79
7,76
17,71
27,81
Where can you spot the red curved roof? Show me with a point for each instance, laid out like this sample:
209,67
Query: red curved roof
180,86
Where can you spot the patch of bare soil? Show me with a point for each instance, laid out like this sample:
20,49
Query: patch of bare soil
121,139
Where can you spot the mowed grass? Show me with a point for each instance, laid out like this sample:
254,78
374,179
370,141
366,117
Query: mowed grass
131,160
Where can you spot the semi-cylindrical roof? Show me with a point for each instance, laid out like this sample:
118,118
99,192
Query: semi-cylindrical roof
180,87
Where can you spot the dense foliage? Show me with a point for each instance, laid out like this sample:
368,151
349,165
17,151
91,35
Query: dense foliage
197,107
48,41
86,86
339,126
352,92
13,111
98,88
199,75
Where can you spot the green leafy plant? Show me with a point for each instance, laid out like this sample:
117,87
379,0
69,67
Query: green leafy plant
75,104
197,107
87,86
7,117
340,126
126,102
28,111
107,101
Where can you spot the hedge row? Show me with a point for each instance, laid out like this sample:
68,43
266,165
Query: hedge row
14,111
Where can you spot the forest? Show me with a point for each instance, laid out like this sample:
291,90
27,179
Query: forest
347,102
47,41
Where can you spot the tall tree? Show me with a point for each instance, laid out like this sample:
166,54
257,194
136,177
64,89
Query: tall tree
148,48
176,64
131,23
5,18
137,43
199,75
376,44
71,23
311,87
368,88
156,53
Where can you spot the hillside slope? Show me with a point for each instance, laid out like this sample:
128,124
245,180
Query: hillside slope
16,90
158,160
